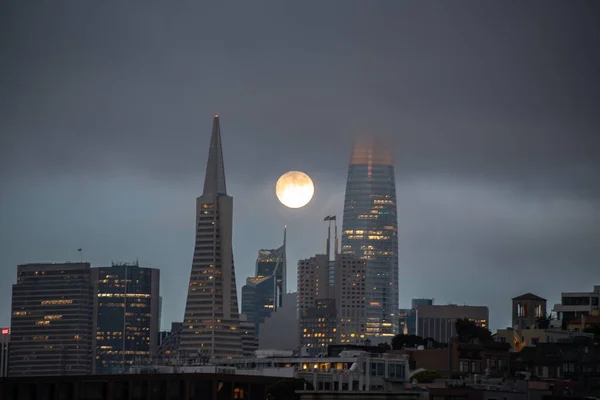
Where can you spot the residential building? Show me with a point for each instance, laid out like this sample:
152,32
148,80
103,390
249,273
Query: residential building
126,315
211,320
52,320
439,321
280,330
585,322
491,359
527,310
577,360
370,228
576,304
518,339
4,349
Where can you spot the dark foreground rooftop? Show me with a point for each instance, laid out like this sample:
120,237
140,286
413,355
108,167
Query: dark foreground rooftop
137,387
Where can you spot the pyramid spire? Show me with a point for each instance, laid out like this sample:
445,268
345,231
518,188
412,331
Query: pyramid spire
214,183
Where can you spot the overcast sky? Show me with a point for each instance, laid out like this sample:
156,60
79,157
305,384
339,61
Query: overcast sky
492,110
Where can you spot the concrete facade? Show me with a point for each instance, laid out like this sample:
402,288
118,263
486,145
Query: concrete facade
52,320
439,321
527,309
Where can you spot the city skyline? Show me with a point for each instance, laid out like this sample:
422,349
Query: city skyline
494,136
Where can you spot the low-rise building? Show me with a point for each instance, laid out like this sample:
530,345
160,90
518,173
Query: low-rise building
439,321
577,360
462,359
520,338
584,322
576,304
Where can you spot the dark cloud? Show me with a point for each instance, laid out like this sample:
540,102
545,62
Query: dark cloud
490,109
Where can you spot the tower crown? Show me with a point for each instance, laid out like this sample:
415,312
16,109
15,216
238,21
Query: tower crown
214,182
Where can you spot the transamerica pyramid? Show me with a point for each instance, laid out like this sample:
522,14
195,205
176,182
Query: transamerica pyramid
211,321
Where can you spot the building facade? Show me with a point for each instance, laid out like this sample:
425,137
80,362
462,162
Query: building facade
258,298
527,309
52,320
319,327
439,322
211,319
249,337
4,349
350,299
168,347
127,312
370,232
272,263
313,282
576,304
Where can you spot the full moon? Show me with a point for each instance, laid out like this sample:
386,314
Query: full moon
294,189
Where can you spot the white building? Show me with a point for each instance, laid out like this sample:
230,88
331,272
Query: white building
350,371
576,304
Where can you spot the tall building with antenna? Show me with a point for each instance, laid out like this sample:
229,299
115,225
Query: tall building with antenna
211,321
331,296
370,232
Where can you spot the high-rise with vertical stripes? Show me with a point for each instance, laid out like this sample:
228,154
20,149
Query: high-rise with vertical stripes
370,232
211,321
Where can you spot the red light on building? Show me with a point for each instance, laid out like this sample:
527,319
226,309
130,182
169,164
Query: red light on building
6,331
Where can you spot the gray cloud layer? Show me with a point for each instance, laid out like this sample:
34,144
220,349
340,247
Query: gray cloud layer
491,110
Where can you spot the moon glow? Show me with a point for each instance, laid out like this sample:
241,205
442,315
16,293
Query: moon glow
294,189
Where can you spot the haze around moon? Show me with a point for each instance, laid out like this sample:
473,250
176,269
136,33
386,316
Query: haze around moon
294,189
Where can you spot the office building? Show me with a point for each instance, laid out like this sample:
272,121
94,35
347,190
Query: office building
350,299
313,281
211,319
527,309
249,337
4,349
407,317
319,326
263,293
52,320
370,228
127,309
258,299
439,322
577,304
272,263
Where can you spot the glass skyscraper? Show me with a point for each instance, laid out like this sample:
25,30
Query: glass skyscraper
127,315
263,293
370,232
